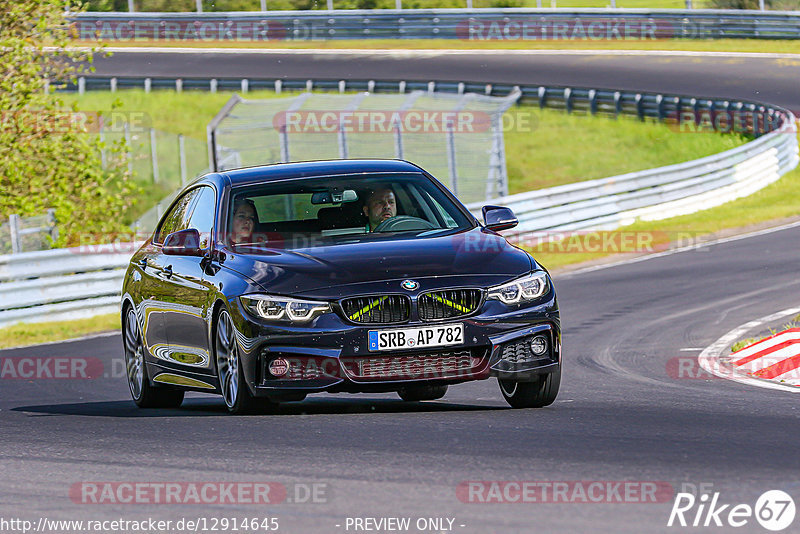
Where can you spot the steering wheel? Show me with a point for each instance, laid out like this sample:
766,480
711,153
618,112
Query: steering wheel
404,223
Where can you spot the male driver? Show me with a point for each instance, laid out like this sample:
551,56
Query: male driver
379,205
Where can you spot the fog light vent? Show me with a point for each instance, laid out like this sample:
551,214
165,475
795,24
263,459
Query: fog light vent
527,349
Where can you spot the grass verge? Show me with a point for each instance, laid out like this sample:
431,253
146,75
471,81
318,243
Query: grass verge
682,45
33,333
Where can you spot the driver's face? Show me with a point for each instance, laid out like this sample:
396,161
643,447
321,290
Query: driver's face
380,206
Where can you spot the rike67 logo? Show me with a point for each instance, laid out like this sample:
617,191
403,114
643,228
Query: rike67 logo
774,510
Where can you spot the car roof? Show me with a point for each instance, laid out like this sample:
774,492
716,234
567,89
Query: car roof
286,171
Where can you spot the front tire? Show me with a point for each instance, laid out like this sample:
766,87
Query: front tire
538,394
235,392
144,394
423,392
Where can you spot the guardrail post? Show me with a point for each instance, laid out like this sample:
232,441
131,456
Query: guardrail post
461,88
278,87
154,154
309,85
342,86
488,89
263,5
147,84
401,87
568,99
659,106
212,85
592,101
431,87
330,5
182,158
371,86
130,6
13,228
199,5
542,96
617,103
113,85
178,85
639,106
81,85
245,85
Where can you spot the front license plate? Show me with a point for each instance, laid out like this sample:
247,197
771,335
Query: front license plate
414,338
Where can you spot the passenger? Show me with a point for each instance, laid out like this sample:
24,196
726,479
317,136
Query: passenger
244,221
379,205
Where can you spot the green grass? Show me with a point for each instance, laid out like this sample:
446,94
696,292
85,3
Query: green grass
32,333
546,156
699,45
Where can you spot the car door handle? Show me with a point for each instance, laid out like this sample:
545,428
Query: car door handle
143,263
168,271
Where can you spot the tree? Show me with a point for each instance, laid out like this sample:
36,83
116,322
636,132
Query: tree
49,157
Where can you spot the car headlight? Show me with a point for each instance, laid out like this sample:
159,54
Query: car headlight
284,309
529,287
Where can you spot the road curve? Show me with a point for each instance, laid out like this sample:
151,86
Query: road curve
623,414
772,80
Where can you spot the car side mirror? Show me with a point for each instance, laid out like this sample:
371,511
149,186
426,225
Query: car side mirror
183,243
498,218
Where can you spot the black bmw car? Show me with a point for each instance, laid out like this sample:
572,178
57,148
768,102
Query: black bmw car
269,283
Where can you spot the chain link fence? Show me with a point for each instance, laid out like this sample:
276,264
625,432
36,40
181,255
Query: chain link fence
456,137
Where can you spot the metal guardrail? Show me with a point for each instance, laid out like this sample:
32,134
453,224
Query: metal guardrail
61,284
521,24
653,194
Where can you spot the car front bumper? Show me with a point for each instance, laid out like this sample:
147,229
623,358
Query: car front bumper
332,355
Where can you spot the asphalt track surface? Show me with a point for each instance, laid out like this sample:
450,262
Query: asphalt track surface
767,79
624,414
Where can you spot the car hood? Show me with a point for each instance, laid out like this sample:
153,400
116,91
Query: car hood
473,257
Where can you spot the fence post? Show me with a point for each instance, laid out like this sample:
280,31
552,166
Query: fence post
130,6
103,154
199,4
330,5
182,156
13,228
154,154
451,158
263,5
129,147
51,217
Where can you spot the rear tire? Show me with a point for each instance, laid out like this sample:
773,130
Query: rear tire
143,393
423,392
230,372
537,394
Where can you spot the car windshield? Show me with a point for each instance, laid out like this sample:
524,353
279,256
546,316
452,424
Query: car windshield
299,213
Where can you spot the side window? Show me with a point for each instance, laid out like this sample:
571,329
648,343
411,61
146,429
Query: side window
177,218
203,215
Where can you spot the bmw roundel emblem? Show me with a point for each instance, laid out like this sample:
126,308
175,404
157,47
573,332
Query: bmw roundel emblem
409,285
